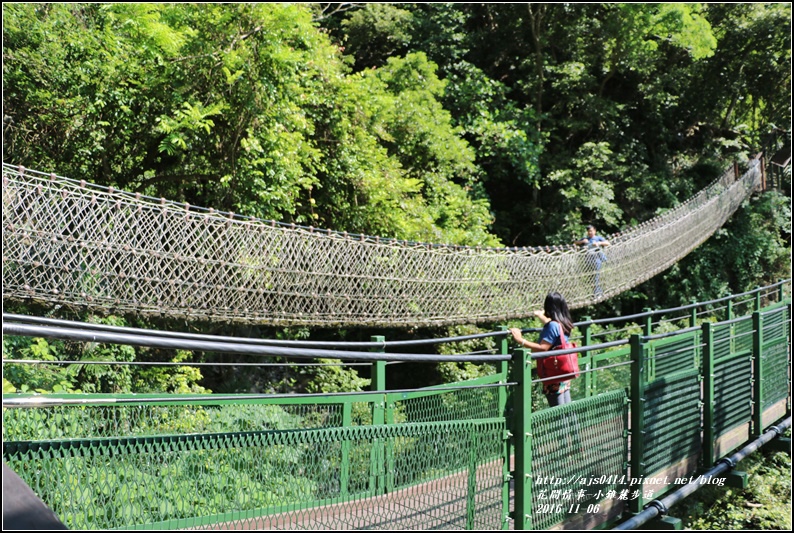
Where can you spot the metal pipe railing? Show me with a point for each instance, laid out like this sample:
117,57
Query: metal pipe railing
153,341
660,507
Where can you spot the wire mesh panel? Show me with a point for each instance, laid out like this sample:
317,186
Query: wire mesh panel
775,354
674,354
454,485
743,335
429,406
74,422
612,373
578,457
271,464
733,371
672,414
477,456
672,401
672,408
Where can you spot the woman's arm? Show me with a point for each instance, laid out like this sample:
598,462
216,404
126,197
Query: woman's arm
542,316
534,346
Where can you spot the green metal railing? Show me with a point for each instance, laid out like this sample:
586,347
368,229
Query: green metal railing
472,455
730,379
190,463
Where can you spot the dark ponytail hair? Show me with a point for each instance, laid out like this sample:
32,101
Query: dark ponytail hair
556,308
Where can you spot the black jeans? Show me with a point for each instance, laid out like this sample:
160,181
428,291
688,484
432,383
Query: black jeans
555,399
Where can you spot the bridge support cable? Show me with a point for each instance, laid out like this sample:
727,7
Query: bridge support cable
152,341
84,246
661,506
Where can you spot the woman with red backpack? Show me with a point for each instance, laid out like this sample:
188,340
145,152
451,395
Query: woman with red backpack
557,326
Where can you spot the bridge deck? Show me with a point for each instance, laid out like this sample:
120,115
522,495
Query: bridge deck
437,504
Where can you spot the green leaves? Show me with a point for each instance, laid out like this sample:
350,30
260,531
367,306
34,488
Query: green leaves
244,108
188,121
481,124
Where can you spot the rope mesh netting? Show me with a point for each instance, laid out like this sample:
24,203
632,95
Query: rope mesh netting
70,243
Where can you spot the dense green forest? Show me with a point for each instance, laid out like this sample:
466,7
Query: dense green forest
473,124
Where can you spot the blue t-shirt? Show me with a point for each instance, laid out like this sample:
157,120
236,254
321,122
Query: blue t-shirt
551,334
598,256
594,239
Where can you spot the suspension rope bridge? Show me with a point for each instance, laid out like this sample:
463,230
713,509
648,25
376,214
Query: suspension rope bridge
71,243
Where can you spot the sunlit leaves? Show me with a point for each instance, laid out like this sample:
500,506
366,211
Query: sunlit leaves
187,121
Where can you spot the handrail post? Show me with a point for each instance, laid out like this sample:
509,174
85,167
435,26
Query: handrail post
503,372
648,331
757,299
378,383
788,402
758,375
637,397
729,316
708,395
522,430
344,473
648,326
589,377
693,316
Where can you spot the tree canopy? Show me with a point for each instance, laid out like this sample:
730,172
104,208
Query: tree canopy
456,123
472,124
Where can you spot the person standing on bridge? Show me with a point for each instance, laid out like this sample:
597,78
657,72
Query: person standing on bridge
595,255
556,320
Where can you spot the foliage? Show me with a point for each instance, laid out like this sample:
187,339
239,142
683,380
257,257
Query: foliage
182,380
451,372
476,124
39,378
79,368
331,378
242,107
376,32
764,505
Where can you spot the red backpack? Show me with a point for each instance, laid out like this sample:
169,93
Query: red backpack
557,365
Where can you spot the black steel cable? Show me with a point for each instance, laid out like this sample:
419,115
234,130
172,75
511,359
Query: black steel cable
230,347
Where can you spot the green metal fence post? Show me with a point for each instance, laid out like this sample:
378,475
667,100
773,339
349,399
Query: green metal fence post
344,474
648,326
757,299
729,316
637,396
788,399
693,322
378,383
708,395
589,377
471,481
781,293
503,368
648,331
522,429
758,392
